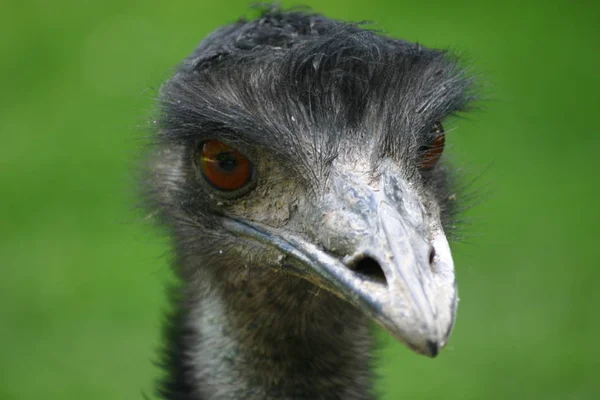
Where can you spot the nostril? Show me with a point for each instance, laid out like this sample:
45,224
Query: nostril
368,268
431,256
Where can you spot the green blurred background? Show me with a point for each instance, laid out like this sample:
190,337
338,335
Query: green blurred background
82,274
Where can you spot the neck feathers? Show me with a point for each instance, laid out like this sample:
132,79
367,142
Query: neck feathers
271,336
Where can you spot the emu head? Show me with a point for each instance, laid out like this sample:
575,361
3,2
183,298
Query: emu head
303,147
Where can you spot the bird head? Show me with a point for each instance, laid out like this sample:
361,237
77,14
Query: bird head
299,144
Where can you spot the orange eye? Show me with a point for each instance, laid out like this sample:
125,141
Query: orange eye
223,167
431,153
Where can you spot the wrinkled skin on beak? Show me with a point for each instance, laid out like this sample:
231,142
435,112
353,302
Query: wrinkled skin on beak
379,245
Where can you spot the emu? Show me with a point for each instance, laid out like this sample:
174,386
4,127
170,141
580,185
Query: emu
298,169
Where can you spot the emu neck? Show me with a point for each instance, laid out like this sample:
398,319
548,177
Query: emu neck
268,335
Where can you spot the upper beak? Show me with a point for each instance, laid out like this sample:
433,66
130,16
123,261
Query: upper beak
397,266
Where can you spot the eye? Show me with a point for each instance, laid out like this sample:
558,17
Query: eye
224,167
430,154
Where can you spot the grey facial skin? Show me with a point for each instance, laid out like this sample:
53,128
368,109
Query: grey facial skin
340,224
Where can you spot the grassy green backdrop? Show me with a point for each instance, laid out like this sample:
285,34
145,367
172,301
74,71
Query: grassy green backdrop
81,274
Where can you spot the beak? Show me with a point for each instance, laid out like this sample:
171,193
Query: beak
396,265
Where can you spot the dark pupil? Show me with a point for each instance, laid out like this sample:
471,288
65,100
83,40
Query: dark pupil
437,129
227,161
